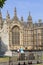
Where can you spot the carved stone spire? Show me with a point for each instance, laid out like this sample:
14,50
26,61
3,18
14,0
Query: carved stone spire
7,16
15,14
22,18
29,17
29,20
29,13
40,21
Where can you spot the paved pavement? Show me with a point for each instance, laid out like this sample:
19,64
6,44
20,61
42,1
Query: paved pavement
21,63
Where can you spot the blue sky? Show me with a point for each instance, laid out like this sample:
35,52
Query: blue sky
23,7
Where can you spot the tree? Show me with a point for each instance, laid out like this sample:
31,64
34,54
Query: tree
2,2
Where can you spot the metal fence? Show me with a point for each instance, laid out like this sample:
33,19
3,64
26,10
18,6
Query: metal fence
29,57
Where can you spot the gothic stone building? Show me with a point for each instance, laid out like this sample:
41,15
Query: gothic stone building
16,34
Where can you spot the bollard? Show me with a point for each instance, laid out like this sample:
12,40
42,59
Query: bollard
24,63
19,63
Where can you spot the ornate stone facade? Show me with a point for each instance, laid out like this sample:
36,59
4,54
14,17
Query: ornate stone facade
18,34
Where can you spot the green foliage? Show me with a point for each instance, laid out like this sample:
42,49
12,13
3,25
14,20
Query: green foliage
2,2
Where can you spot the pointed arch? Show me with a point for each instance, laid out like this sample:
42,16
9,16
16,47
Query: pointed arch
16,35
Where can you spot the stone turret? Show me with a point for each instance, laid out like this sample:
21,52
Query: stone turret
1,20
29,20
8,17
22,18
39,22
15,14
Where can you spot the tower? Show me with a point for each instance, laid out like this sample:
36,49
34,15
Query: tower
15,14
29,19
8,18
22,18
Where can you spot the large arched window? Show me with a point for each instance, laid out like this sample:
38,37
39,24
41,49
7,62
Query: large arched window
15,35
